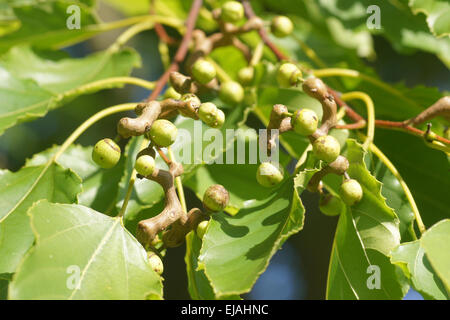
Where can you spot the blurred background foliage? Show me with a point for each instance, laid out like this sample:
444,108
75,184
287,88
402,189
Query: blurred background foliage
404,50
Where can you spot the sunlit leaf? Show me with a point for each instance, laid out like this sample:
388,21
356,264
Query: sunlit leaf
83,254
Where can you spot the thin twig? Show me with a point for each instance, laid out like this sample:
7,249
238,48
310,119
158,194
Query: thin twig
182,50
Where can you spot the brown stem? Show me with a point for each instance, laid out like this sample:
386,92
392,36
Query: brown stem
440,108
278,120
262,32
338,166
159,29
175,236
182,49
148,112
395,125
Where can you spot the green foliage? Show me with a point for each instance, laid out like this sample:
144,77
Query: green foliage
32,85
18,191
61,213
96,241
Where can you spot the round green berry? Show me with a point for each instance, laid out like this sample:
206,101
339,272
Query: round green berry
231,92
220,119
246,75
326,148
304,122
288,75
281,26
155,262
171,93
351,192
232,11
269,174
145,165
203,71
201,229
208,113
330,205
106,153
163,133
216,198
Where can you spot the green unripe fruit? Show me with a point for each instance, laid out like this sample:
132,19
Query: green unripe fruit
232,11
281,26
145,165
155,262
220,119
304,122
106,153
288,75
163,133
231,92
326,148
351,192
201,229
208,113
216,198
203,71
329,205
269,174
171,93
245,75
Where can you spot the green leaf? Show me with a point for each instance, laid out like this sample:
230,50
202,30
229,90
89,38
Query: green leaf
426,172
238,179
435,243
130,8
83,254
365,235
18,191
30,85
437,13
69,73
398,24
198,285
294,99
395,197
45,24
412,259
4,289
100,186
236,250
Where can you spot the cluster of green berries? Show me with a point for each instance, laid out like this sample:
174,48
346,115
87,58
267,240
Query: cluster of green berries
350,193
230,92
106,152
211,115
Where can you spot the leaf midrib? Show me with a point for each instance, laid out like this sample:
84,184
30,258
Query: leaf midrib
92,258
